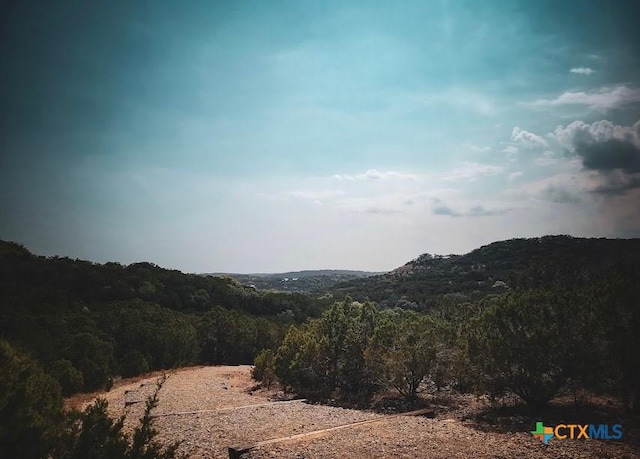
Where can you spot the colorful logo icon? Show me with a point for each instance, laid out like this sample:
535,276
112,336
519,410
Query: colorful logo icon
542,432
577,432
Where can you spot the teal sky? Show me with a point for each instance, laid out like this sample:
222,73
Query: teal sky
275,136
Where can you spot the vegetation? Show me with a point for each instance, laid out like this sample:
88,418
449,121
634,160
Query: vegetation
86,323
30,406
531,317
516,264
34,425
563,325
316,281
92,433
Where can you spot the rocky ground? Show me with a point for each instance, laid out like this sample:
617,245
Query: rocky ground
208,409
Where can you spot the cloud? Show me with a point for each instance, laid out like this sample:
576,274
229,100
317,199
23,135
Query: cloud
382,211
477,148
316,196
582,70
602,99
563,188
439,207
559,194
343,177
602,146
471,171
373,174
527,139
546,159
614,183
514,175
461,99
511,152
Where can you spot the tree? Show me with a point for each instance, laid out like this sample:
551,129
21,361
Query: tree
520,343
68,376
264,369
92,434
403,351
30,406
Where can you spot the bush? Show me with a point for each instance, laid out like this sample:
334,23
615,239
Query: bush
92,434
520,343
264,369
69,377
30,406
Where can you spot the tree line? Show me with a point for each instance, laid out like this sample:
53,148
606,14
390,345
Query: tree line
532,342
86,323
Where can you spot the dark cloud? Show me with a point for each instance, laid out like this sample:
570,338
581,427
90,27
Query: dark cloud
560,195
608,155
612,151
617,183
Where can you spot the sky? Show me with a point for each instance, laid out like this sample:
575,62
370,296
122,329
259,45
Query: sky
287,135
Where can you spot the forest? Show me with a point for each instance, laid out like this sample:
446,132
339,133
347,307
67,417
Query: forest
530,317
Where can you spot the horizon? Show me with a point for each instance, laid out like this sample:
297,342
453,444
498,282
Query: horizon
294,271
260,138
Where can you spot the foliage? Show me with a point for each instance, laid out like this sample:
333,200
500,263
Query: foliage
403,353
69,377
354,350
264,367
86,323
30,406
93,434
516,264
518,342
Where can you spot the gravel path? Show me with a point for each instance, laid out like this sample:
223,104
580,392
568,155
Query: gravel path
233,421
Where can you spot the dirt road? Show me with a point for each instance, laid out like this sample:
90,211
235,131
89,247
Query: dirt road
209,409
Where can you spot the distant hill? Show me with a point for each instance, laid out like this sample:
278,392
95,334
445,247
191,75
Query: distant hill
315,281
493,268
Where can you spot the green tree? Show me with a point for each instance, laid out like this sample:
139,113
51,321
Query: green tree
264,367
403,352
68,376
30,406
520,343
93,434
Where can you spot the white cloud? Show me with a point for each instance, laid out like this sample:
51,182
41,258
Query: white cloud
514,175
511,152
316,196
582,70
374,174
527,139
602,99
461,98
477,148
471,171
343,177
546,159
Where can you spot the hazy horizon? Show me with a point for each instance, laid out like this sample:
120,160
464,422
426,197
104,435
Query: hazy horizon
252,137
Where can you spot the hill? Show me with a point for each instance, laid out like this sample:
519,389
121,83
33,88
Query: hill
316,281
493,268
86,322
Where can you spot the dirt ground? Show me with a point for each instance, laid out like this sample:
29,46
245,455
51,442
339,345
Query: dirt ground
208,409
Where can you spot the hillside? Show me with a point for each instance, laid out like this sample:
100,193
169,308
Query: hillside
493,268
316,281
87,322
